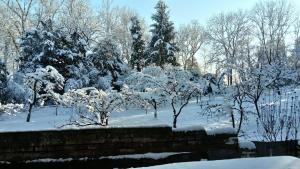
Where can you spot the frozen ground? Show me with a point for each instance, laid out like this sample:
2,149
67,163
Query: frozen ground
283,162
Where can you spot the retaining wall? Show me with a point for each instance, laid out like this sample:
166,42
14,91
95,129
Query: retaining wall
94,143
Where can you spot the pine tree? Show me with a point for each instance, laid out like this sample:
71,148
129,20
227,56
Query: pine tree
138,45
162,47
106,58
55,47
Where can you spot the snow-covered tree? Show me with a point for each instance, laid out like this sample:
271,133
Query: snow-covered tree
162,47
95,105
64,51
145,86
179,89
228,34
47,46
50,84
108,63
44,86
138,45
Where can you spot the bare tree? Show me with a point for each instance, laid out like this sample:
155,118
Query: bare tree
122,32
227,33
15,18
48,9
21,11
190,38
78,16
272,20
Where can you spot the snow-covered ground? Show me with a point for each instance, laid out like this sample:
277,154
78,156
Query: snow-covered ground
45,118
283,162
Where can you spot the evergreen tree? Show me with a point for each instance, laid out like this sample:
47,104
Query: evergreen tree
138,45
162,47
45,46
106,58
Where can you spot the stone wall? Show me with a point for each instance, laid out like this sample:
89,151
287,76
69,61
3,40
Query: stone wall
93,143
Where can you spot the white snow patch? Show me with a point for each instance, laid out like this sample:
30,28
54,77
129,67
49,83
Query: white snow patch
190,128
155,156
49,160
284,162
225,130
4,162
247,145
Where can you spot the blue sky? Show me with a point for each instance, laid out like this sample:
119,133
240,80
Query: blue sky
183,11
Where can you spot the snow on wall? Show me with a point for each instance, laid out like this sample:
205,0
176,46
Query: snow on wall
189,128
154,156
247,145
225,130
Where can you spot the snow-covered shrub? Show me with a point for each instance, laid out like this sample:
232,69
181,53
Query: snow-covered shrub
50,84
94,105
11,108
16,92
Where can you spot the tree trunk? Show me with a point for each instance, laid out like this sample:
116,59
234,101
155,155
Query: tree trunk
33,102
155,108
232,118
175,121
257,108
241,118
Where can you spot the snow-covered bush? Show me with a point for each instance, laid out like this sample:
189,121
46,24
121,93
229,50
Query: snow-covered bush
11,108
50,84
94,105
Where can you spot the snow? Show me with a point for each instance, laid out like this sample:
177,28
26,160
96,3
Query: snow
49,160
284,162
190,128
247,145
154,156
223,130
192,117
